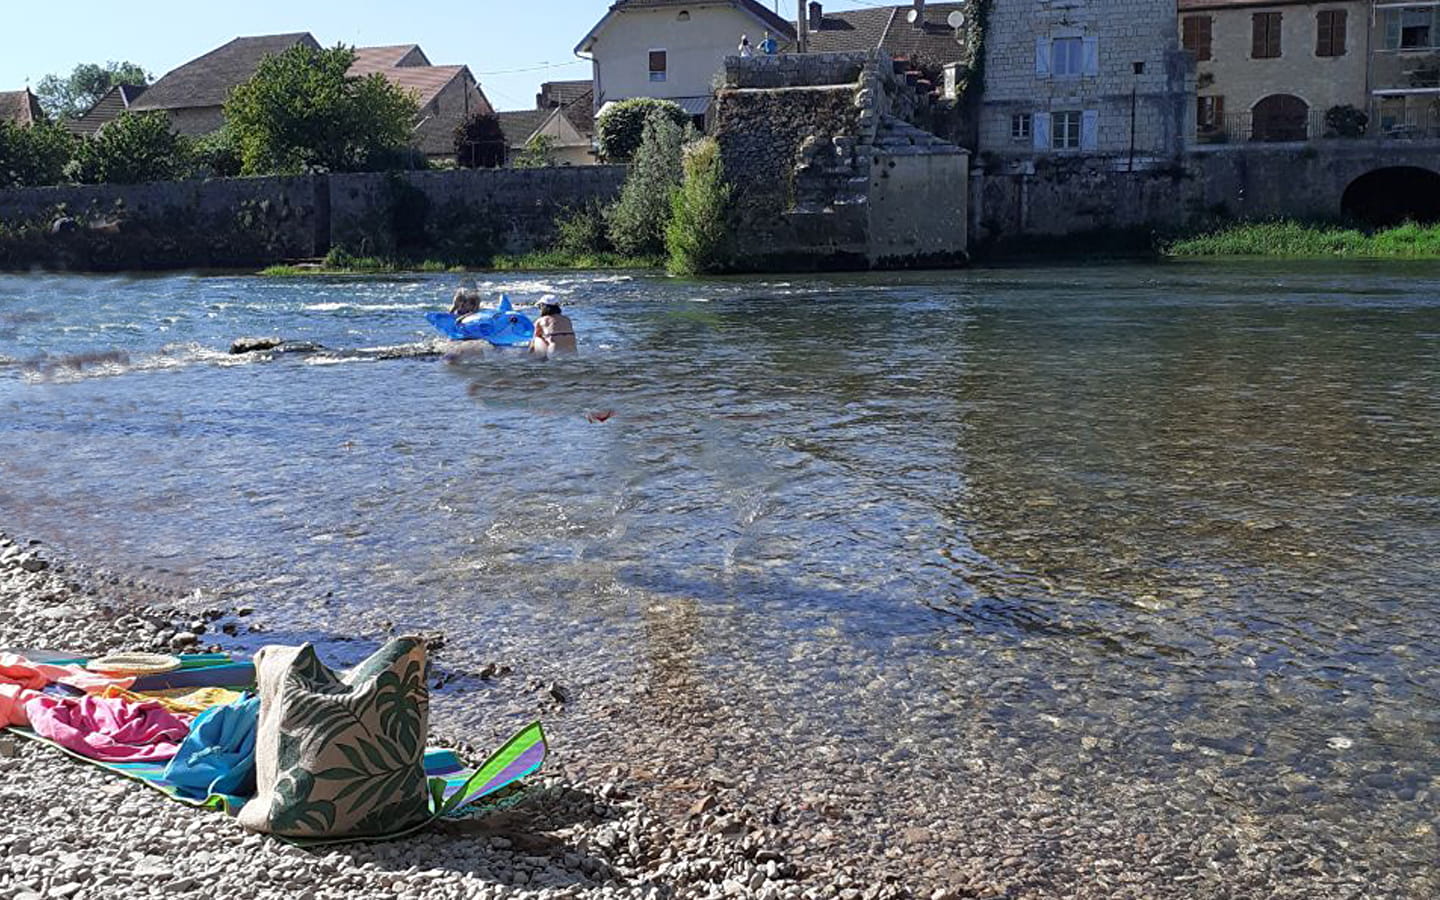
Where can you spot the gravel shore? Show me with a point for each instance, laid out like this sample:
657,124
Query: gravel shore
653,790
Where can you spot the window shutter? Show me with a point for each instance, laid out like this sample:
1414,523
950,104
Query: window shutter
1392,28
1090,129
1337,32
1257,36
1040,130
1092,56
1042,57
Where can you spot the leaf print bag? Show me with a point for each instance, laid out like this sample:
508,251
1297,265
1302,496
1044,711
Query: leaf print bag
340,755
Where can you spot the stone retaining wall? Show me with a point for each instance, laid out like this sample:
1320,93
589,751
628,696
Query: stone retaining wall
256,221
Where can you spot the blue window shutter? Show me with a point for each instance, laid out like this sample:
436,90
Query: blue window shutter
1090,129
1092,56
1040,130
1042,57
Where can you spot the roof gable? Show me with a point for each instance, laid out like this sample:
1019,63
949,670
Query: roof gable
375,59
886,28
208,80
20,107
761,13
115,101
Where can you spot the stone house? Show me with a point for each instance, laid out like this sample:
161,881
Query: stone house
1405,70
1065,77
565,114
194,94
672,49
20,108
1271,71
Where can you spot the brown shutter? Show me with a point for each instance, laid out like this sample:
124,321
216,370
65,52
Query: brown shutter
1323,40
1196,36
1337,32
1257,36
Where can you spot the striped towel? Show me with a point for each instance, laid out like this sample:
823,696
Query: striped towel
454,789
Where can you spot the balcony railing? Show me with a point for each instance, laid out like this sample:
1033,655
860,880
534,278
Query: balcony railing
1378,124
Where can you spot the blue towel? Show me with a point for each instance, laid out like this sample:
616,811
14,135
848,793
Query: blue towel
218,755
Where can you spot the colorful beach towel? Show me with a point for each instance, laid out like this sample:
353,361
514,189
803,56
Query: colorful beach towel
455,790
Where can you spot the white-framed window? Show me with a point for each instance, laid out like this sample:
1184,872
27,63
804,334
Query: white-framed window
1065,130
1020,124
658,65
1070,129
1067,56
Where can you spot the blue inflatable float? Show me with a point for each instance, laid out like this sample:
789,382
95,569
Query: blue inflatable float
502,326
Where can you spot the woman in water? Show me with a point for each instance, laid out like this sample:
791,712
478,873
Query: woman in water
554,332
465,302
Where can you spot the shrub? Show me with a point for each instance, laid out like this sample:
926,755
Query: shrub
216,155
620,130
135,147
480,142
637,220
33,156
582,231
698,235
538,152
1345,121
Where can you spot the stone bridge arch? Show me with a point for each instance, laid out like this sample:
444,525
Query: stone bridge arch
1393,194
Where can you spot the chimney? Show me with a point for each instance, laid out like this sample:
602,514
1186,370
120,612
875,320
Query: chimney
816,14
919,20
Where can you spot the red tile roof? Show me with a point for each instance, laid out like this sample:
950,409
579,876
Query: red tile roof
20,107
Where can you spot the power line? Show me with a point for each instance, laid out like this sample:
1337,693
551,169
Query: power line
534,68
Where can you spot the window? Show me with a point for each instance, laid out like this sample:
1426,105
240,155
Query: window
1020,127
1066,56
1195,35
657,65
1410,27
1265,35
1066,133
1209,114
1330,32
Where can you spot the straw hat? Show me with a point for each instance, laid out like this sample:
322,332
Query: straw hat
133,664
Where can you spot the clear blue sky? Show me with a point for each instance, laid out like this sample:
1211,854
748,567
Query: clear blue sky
510,45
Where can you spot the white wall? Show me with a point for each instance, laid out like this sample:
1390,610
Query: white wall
696,50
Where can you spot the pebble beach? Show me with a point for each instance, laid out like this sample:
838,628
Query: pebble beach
674,821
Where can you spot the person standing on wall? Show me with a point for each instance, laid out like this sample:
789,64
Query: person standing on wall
745,46
768,45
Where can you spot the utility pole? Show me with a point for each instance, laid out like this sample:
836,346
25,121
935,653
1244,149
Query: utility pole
802,27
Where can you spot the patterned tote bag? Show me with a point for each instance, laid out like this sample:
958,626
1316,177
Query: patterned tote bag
340,756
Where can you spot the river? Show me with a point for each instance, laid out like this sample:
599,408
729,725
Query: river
1167,530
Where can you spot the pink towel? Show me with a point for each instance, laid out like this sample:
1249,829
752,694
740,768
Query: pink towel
21,680
108,729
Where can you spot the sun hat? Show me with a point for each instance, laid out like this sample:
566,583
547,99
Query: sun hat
133,664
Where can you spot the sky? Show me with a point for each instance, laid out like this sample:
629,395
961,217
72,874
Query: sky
510,45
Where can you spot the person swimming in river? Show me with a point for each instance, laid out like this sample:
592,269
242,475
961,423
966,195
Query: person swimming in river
554,332
466,302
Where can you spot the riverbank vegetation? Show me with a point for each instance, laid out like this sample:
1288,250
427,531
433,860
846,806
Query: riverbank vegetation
1299,240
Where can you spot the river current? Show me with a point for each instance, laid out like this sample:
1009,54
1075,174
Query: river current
1174,523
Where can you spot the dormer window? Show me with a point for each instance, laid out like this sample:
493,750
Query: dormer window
684,16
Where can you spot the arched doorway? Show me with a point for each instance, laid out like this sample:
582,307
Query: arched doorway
1393,195
1280,117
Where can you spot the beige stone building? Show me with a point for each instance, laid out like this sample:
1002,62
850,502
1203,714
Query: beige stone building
1272,71
1067,77
672,49
1405,70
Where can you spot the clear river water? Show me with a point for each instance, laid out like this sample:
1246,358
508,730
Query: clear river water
1175,525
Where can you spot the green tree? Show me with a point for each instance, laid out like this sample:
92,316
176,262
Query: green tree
135,147
70,96
698,236
34,155
480,142
621,128
302,112
216,155
538,152
637,220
